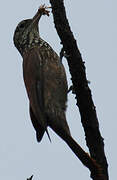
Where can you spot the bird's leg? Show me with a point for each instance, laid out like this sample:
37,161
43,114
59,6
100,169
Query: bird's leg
71,88
63,54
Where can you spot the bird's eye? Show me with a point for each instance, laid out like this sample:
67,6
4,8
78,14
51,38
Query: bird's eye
21,25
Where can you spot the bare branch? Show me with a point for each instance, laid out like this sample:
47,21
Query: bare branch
85,103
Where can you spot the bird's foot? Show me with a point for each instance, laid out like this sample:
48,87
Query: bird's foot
43,9
63,54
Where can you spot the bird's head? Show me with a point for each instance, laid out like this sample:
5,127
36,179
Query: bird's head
27,30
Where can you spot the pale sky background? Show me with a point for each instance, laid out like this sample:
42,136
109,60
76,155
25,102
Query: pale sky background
94,25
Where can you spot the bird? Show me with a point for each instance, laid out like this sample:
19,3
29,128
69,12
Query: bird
44,77
46,85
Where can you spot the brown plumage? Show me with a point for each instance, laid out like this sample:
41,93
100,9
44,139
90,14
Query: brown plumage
44,77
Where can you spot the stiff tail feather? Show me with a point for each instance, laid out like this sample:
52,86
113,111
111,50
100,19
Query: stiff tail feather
48,135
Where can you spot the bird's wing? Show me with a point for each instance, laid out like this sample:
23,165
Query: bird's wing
46,85
54,86
33,84
54,79
39,129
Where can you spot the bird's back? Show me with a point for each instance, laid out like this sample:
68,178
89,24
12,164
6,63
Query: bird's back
42,67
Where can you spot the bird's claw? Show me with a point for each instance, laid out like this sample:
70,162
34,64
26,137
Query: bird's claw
43,10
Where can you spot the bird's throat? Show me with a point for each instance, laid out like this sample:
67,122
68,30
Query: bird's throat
30,40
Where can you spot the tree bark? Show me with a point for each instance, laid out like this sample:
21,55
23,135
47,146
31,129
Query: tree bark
87,109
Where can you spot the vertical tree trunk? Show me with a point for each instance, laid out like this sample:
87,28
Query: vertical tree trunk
85,103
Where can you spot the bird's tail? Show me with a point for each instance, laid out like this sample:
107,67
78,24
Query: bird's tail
39,135
48,135
79,152
74,146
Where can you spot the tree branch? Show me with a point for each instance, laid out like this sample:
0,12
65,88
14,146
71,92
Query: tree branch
85,103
